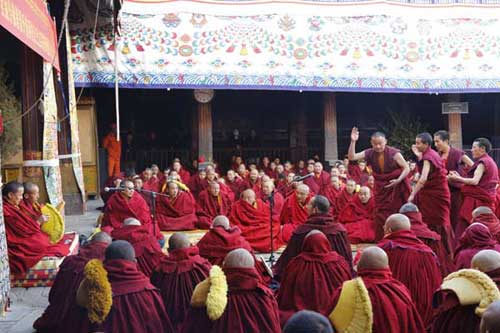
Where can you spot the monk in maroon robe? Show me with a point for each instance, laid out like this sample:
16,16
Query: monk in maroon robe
137,305
62,296
251,306
333,190
128,203
30,205
211,203
287,187
475,238
114,181
319,219
357,217
252,182
486,216
234,183
480,185
311,278
431,193
177,211
489,319
268,195
147,249
294,212
26,243
197,183
253,217
358,172
176,276
393,310
454,160
410,258
450,315
319,181
183,173
430,238
390,171
345,196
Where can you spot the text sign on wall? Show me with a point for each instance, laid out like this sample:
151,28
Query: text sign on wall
454,108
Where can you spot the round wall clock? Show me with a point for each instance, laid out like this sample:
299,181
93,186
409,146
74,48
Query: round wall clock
204,95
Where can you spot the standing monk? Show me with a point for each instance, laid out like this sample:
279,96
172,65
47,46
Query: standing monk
454,160
177,211
390,169
211,202
294,212
114,149
431,193
480,186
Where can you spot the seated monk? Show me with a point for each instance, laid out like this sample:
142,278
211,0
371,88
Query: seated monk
197,183
344,197
382,303
308,321
486,216
211,203
287,187
319,181
151,182
294,212
128,203
268,192
249,305
332,190
430,238
26,242
139,187
319,219
234,183
459,305
252,216
183,173
475,238
176,276
410,258
357,217
30,205
490,322
311,278
115,182
127,301
177,211
253,181
62,296
147,250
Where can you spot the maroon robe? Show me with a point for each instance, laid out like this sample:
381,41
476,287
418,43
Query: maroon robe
357,218
335,232
237,186
433,199
331,193
474,239
286,189
119,208
492,222
410,258
251,307
185,175
355,173
278,203
387,200
482,194
208,207
26,243
254,222
110,182
147,250
62,295
292,215
392,306
450,316
310,279
433,240
341,201
318,183
248,184
197,185
33,210
152,184
176,276
176,214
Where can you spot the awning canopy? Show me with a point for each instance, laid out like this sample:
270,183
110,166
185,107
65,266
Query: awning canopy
331,45
30,22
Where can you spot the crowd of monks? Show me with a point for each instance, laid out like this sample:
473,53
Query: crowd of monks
426,236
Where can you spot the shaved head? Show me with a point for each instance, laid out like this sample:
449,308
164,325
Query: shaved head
373,257
101,237
131,221
476,212
221,221
248,196
178,241
30,187
486,261
239,258
120,249
408,208
397,222
490,322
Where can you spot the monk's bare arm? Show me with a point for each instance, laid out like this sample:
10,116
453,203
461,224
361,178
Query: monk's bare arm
400,160
478,174
467,161
421,181
351,153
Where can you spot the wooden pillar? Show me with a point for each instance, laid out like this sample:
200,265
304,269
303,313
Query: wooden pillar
330,127
205,139
455,123
32,121
194,132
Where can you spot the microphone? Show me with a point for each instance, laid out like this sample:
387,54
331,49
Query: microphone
299,179
111,189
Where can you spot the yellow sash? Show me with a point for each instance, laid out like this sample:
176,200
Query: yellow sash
54,227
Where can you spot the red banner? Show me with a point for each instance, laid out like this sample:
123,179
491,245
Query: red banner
30,22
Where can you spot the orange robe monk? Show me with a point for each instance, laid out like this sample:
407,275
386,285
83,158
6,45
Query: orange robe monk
114,149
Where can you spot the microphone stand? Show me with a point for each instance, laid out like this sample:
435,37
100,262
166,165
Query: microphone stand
153,195
271,206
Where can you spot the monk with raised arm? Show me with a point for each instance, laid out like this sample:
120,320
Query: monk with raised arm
390,169
358,217
294,211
